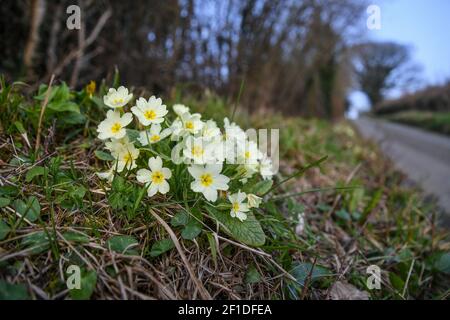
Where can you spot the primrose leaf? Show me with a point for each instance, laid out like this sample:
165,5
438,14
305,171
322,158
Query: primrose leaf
248,231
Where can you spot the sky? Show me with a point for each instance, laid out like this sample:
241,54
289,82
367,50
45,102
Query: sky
422,24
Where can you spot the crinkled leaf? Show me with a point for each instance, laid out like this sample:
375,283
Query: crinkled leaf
123,244
161,246
248,231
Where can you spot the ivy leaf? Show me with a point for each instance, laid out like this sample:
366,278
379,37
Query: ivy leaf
179,219
252,275
102,155
192,230
4,229
34,172
88,282
248,231
442,262
30,209
10,291
302,270
123,244
161,246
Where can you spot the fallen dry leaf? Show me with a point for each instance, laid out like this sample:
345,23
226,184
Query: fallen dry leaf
345,291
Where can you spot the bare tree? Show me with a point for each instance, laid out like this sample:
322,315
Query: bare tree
383,66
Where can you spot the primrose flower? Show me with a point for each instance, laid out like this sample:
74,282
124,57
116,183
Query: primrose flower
199,150
250,154
233,131
208,180
210,130
191,122
156,177
107,175
114,125
126,158
153,135
180,109
238,208
266,168
117,98
253,200
117,146
151,111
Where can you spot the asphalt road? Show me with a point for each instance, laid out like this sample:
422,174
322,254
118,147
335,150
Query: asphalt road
423,156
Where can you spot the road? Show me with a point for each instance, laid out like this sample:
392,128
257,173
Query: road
423,156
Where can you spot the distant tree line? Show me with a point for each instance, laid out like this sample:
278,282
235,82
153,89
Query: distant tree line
295,56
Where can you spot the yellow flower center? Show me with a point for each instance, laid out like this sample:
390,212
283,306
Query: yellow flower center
235,206
150,114
157,177
116,127
197,151
118,101
155,138
189,125
247,154
206,180
127,158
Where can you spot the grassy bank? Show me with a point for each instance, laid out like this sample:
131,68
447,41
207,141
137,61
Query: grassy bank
323,228
432,121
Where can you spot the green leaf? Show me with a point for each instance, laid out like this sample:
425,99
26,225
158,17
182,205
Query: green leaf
132,134
396,281
4,229
19,127
30,209
262,187
37,242
103,155
88,282
252,275
66,106
192,230
180,219
442,263
161,246
73,236
248,231
302,270
34,172
8,190
10,291
123,244
4,202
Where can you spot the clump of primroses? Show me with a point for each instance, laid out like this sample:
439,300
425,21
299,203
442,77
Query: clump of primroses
218,160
